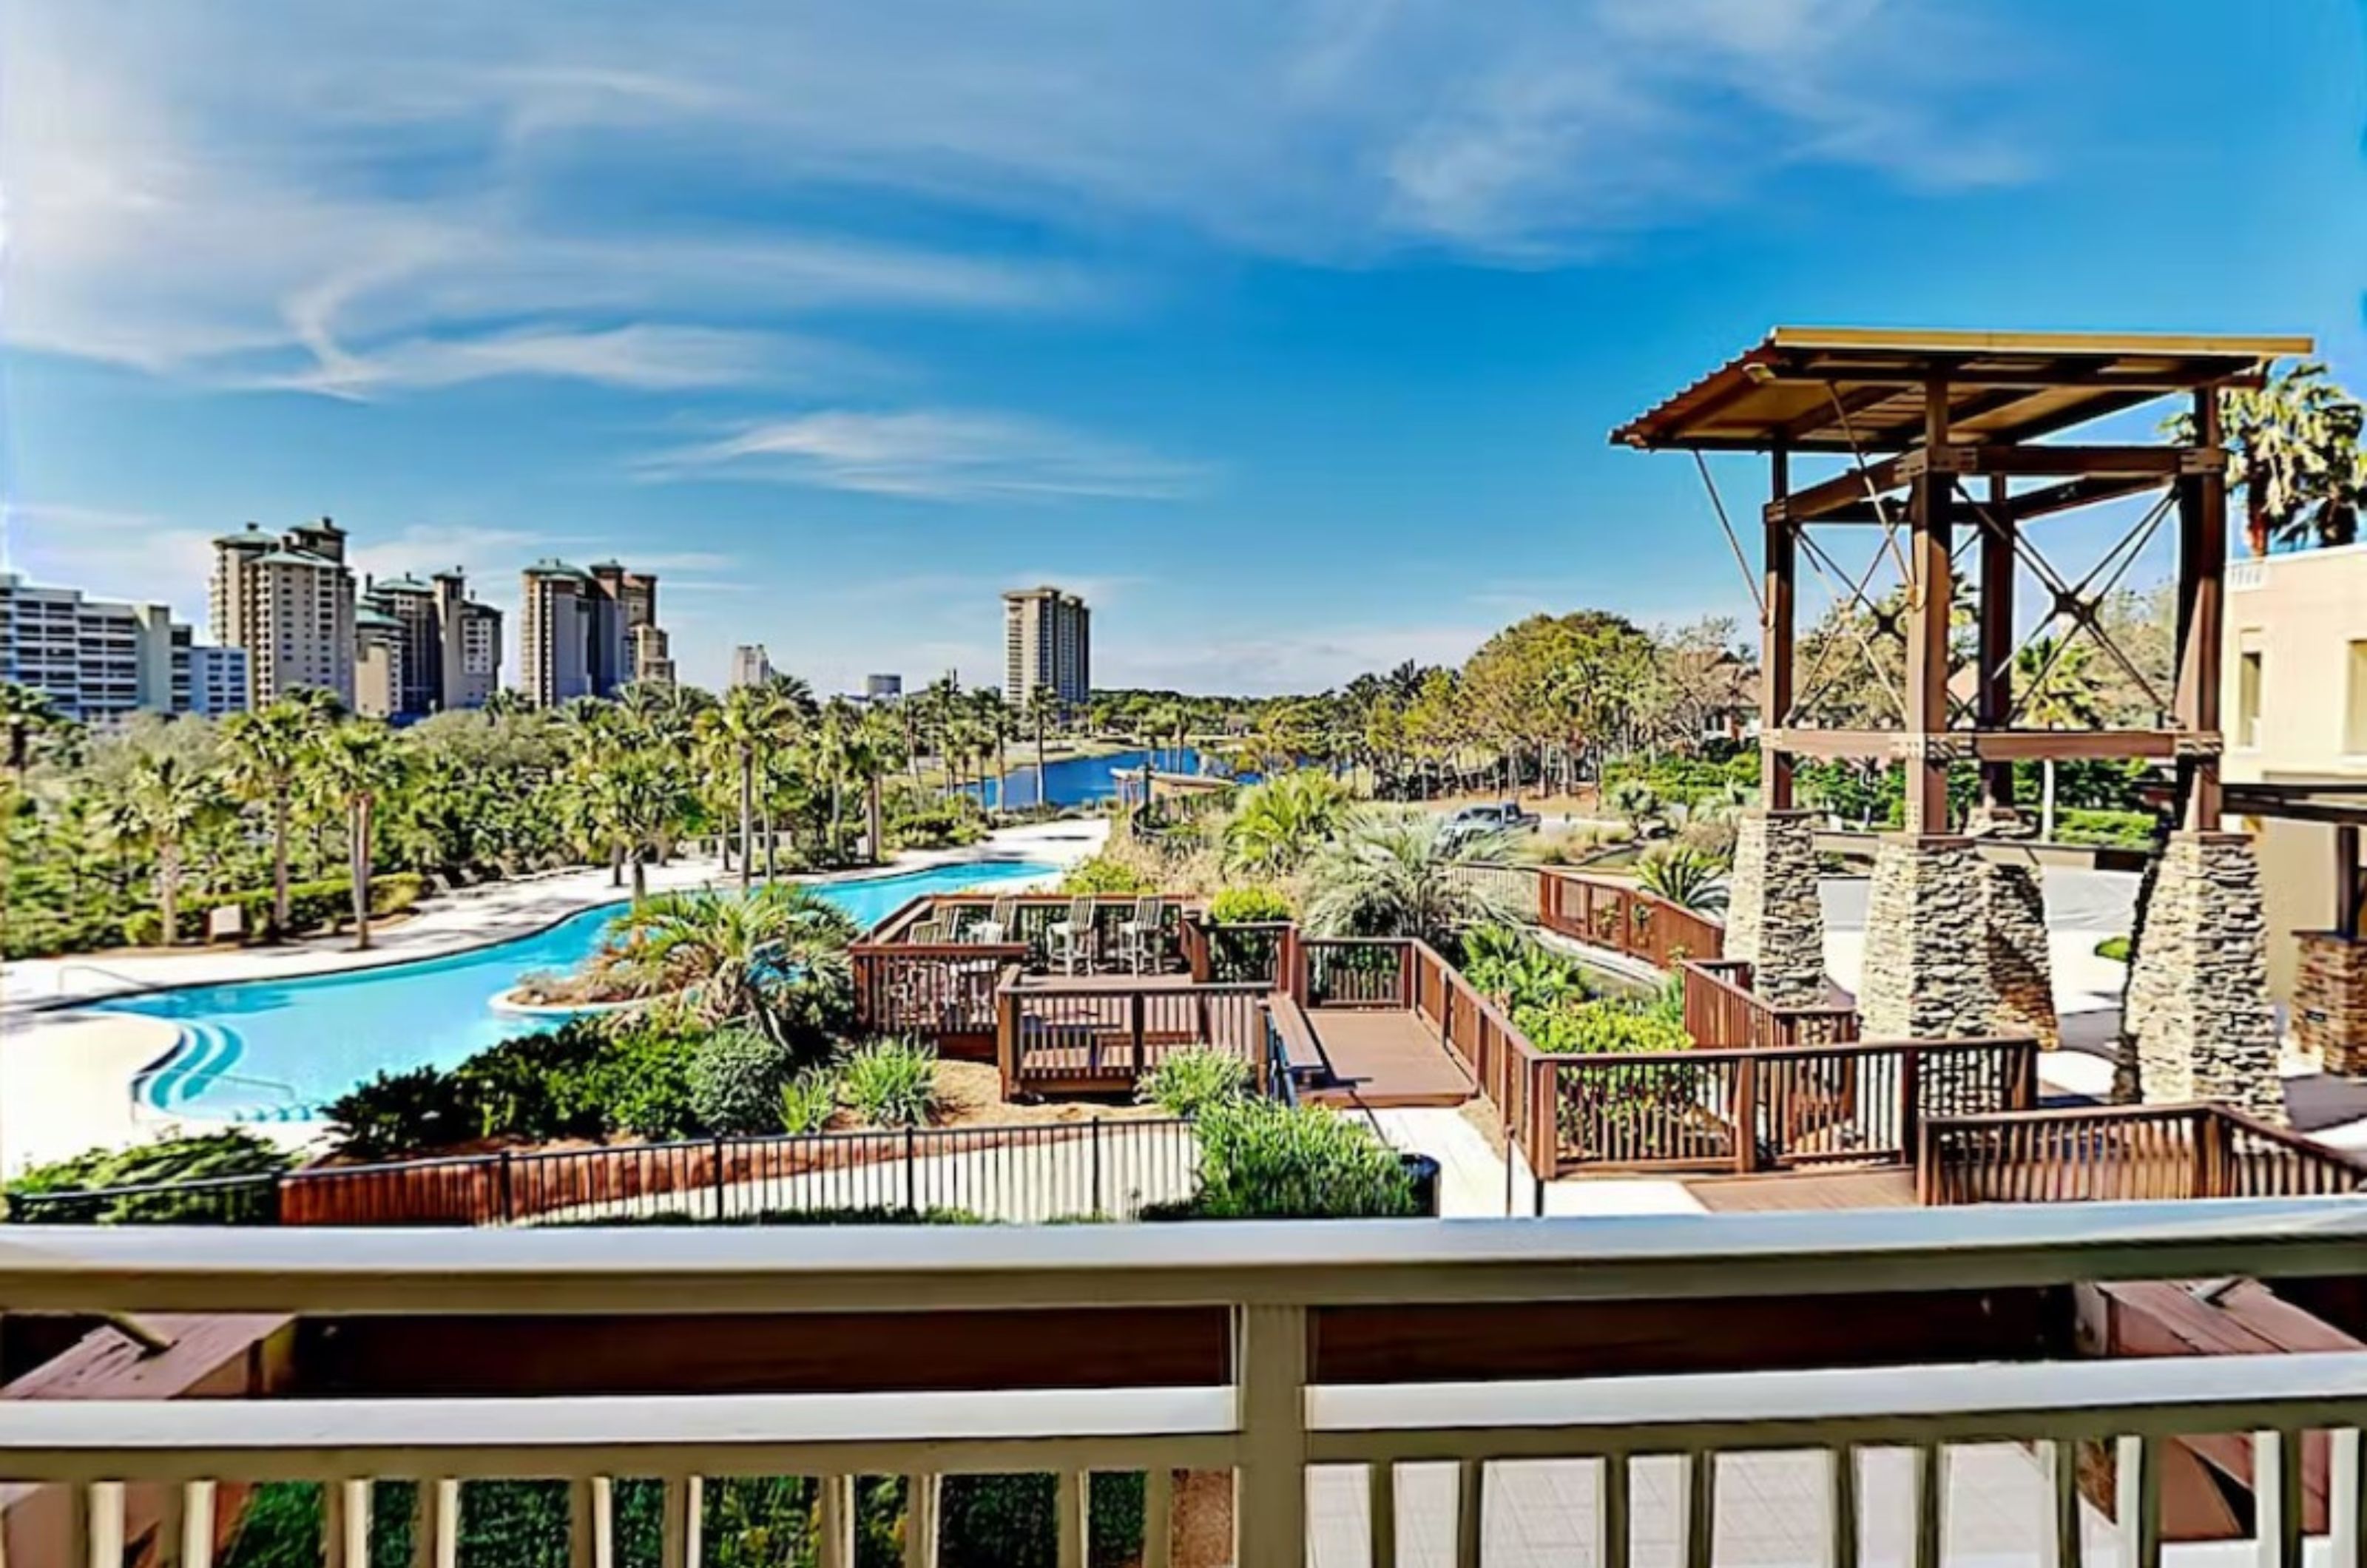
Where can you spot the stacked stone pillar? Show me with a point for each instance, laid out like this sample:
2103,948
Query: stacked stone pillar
2197,1023
2330,1001
2022,971
1926,974
1775,921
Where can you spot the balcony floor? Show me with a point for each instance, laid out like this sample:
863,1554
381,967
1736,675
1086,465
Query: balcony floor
1768,1192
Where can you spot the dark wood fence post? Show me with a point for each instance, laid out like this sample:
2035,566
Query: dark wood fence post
1910,1100
718,1153
1745,1112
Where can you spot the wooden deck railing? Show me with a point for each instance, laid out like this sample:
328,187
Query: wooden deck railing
1355,972
1238,950
1625,919
1776,1107
2123,1153
1105,1038
1722,1009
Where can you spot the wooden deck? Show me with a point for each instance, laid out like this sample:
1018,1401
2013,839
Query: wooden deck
1380,1058
1768,1192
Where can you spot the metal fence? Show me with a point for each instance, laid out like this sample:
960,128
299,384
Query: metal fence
1020,1173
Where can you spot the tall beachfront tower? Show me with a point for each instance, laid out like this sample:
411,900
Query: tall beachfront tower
287,600
1047,642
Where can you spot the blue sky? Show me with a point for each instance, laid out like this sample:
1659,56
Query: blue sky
1289,334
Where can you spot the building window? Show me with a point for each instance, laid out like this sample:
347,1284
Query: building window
2247,699
2354,721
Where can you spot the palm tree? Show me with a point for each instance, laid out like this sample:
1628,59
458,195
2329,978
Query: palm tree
1394,874
832,746
266,753
876,752
164,803
2296,444
1684,876
1281,823
746,722
359,765
723,958
1041,710
27,711
2055,689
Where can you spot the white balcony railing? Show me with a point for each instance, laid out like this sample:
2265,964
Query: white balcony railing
1267,1422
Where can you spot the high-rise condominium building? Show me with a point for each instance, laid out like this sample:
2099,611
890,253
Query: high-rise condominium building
444,653
287,599
751,666
1047,642
882,688
585,633
98,659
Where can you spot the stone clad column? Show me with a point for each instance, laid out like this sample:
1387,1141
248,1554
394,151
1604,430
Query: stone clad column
2022,971
2330,1001
1774,919
2197,1015
1926,974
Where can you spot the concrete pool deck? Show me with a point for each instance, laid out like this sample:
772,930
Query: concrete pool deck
66,1074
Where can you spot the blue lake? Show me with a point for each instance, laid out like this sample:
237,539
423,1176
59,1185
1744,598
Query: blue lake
277,1050
1082,781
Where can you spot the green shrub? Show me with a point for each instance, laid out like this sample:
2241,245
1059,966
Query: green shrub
211,1156
2113,830
1248,903
1185,1083
402,1113
809,1100
736,1078
1603,1027
892,1083
1264,1160
1105,874
641,1082
539,1085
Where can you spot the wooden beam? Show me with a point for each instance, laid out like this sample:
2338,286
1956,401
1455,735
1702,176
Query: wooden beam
1840,491
1781,566
2201,571
2004,745
1931,551
1993,692
2068,496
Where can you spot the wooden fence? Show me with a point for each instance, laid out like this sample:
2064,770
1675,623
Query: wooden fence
1600,912
1775,1108
2123,1153
1055,1038
1721,1009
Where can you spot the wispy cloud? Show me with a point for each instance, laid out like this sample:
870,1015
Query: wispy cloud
414,194
932,455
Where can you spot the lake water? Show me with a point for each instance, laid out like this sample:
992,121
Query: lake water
1083,781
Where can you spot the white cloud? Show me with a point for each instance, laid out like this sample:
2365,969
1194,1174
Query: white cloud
932,453
350,198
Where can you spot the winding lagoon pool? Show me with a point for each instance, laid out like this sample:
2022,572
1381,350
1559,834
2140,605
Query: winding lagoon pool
277,1050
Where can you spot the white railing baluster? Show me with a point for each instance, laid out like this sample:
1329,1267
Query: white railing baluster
1069,1510
1470,1512
1381,1512
197,1522
678,1546
920,1493
1840,1506
2138,1503
1930,1502
1701,1507
2059,1545
98,1525
2346,1498
1158,1517
2277,1497
604,1521
1613,1532
837,1522
1270,1485
346,1524
435,1525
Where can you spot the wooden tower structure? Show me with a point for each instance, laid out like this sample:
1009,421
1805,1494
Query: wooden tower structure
1956,450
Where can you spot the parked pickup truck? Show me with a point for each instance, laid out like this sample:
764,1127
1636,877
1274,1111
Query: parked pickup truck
1505,817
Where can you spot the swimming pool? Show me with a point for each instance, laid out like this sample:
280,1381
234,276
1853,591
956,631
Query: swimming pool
277,1050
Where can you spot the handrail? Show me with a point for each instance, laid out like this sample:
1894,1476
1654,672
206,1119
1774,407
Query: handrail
2087,1154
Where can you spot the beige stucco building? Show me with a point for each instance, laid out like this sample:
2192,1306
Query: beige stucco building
2295,708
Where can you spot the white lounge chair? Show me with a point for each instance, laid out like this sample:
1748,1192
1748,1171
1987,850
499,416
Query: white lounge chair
1069,939
1139,936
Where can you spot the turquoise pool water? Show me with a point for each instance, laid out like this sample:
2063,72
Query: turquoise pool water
277,1050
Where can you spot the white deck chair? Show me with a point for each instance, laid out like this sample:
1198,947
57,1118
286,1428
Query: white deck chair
1139,936
1073,937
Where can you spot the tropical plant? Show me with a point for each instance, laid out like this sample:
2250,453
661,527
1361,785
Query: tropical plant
1684,876
748,719
2296,444
266,753
401,1113
722,960
25,712
891,1082
1397,873
736,1079
1634,801
358,766
1503,963
2054,688
163,803
167,1166
1281,823
809,1100
1186,1083
1249,903
1261,1159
